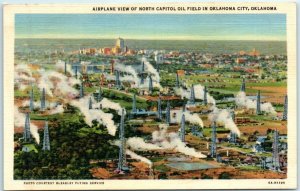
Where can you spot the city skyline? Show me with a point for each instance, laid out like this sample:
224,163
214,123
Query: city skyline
263,27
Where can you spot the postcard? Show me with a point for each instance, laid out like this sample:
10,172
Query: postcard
150,96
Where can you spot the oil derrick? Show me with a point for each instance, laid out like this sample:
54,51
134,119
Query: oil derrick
31,104
285,109
46,141
43,100
205,96
243,86
182,128
90,103
81,90
177,80
133,104
76,72
150,84
232,137
192,97
122,155
143,67
275,156
263,162
118,82
159,112
168,113
65,68
233,115
258,110
183,108
193,130
157,66
213,147
99,95
26,134
142,79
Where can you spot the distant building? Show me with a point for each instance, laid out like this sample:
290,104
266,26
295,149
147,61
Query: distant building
158,57
120,44
254,52
180,72
240,60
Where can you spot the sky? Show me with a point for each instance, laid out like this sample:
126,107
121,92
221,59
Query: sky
153,26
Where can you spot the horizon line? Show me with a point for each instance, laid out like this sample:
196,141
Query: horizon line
71,38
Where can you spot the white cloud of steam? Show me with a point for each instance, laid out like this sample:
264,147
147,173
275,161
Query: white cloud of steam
133,76
189,117
57,84
138,157
199,94
138,143
243,101
223,116
95,114
106,103
58,109
146,83
163,140
19,121
23,76
155,75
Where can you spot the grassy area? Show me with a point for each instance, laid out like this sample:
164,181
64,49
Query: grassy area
156,159
207,131
161,168
250,168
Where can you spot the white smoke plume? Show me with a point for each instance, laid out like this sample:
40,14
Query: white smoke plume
138,143
199,94
242,100
95,114
189,117
129,70
106,103
19,121
58,109
23,76
155,75
163,140
58,84
146,83
138,157
223,116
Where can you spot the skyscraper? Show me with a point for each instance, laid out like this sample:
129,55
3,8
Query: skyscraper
120,44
